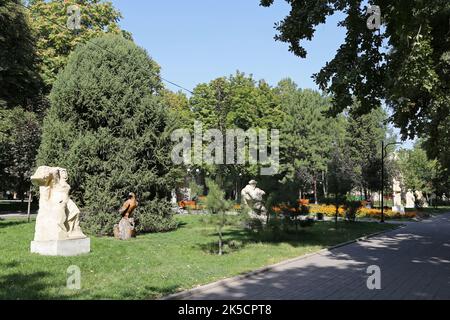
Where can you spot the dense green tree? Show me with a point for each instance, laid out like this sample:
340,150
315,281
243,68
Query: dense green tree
418,172
306,136
178,107
19,79
19,140
109,127
407,64
56,41
364,136
341,175
20,87
236,102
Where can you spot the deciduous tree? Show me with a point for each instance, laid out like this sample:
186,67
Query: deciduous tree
55,41
407,64
19,79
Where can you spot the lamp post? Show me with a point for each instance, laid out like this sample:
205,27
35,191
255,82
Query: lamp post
383,156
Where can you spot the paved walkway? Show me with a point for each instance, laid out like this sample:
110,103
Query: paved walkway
16,215
414,263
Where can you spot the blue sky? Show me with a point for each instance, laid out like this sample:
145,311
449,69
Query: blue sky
197,41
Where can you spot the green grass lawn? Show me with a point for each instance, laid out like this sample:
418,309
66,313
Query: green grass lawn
152,265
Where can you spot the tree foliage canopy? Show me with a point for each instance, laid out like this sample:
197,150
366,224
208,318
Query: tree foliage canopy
108,126
307,134
19,79
407,65
19,140
364,136
55,41
418,172
235,102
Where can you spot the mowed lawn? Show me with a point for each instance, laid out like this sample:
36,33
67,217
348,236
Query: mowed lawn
153,265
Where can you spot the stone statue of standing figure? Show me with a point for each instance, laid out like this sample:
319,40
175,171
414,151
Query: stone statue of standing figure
252,197
398,206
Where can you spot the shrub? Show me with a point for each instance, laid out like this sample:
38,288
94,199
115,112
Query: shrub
155,216
273,231
307,223
235,244
351,209
98,223
107,124
304,210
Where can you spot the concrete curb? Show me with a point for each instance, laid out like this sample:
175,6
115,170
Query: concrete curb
190,292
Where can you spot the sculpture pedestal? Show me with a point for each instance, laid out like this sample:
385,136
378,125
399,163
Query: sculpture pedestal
65,248
400,209
125,230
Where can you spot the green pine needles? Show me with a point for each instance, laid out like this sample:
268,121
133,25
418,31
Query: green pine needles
108,126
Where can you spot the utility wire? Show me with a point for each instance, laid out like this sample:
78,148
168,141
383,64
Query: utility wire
99,46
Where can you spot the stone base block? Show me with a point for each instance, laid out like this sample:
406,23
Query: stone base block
399,209
65,248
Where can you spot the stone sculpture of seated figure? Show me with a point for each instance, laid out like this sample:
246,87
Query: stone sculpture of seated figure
252,197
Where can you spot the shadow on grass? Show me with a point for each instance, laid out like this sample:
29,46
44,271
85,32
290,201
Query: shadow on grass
238,239
159,292
7,224
324,234
25,286
181,224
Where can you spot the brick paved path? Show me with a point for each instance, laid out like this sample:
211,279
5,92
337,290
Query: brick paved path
414,262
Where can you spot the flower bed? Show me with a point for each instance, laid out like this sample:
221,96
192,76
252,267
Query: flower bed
330,211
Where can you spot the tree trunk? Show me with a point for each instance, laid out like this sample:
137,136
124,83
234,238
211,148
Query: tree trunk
29,206
324,185
220,241
315,190
337,209
220,234
21,188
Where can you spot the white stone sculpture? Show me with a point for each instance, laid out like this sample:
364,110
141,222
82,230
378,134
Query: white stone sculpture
173,198
422,201
375,197
252,197
57,229
410,200
398,206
